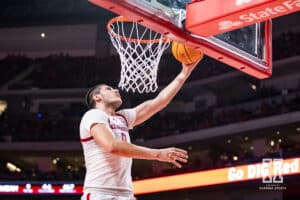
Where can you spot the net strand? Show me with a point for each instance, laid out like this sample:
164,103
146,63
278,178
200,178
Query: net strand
139,60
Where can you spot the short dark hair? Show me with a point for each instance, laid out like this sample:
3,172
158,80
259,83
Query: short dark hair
89,101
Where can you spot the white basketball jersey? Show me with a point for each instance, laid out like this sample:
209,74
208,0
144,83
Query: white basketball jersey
105,170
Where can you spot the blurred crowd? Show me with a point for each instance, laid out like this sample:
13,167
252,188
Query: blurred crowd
33,174
11,66
177,123
285,45
64,125
64,71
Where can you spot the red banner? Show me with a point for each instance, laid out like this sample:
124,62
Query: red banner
43,188
272,168
219,176
207,18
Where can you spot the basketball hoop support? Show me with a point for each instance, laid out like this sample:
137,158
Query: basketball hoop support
154,22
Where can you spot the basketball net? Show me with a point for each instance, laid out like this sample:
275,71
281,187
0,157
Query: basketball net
140,50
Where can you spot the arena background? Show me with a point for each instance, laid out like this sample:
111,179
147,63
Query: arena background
52,51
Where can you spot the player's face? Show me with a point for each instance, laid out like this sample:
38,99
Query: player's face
111,96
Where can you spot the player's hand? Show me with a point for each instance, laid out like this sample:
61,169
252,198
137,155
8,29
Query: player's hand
188,68
173,155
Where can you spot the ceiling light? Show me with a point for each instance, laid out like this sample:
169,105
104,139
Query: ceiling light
3,106
12,168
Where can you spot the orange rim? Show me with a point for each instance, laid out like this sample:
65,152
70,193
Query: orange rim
124,19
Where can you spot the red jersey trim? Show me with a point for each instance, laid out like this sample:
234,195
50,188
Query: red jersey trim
123,118
86,139
88,196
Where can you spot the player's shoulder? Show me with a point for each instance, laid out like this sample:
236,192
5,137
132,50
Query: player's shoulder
125,111
128,114
93,112
122,112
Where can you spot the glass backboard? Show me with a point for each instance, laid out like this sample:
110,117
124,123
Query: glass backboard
247,49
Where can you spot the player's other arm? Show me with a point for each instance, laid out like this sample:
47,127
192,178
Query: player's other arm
104,137
147,109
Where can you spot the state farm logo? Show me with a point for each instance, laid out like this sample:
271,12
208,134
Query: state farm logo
223,25
228,24
268,12
241,2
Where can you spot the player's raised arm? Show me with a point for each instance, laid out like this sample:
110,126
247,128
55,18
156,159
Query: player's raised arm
147,109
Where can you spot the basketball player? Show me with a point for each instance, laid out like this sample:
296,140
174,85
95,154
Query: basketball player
106,143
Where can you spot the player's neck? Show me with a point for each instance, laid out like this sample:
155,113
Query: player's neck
110,110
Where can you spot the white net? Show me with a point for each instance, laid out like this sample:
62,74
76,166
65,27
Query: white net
140,50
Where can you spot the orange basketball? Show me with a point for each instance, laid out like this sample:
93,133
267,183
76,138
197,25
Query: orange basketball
185,54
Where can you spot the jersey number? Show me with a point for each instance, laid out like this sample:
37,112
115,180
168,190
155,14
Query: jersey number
123,137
